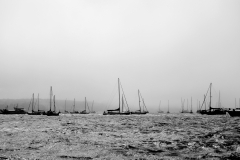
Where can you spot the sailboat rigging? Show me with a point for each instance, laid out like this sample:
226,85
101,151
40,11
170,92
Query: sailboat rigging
118,110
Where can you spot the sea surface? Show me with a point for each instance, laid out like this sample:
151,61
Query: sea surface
94,136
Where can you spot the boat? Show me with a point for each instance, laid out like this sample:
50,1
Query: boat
65,111
15,111
141,109
118,111
85,110
50,112
92,111
39,112
74,112
212,111
168,108
159,110
186,111
235,112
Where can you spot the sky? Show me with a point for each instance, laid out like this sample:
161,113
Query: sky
168,49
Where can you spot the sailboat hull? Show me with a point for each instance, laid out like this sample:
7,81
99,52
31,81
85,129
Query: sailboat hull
234,113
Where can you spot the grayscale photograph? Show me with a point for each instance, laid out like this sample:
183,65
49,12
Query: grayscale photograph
119,80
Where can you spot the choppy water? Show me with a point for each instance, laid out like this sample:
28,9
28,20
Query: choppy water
163,136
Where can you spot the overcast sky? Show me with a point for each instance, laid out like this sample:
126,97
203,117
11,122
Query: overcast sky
167,49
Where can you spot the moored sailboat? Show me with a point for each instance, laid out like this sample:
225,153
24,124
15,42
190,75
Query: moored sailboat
85,110
50,112
143,109
118,111
159,110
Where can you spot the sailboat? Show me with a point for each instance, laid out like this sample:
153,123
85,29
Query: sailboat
39,112
85,111
212,111
141,109
159,110
118,111
235,112
74,112
183,110
92,111
65,111
168,108
50,112
16,110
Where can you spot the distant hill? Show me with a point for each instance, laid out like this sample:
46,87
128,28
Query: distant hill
44,104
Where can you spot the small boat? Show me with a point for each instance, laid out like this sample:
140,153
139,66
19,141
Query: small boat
235,112
50,112
159,110
186,111
74,112
65,111
39,112
212,111
168,108
118,111
15,111
85,111
141,109
92,111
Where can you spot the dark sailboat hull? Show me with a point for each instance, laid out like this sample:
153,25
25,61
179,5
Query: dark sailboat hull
234,113
139,113
52,113
116,113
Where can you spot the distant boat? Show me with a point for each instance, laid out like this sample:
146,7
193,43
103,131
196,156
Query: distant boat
212,111
159,110
168,108
141,109
39,112
85,111
50,112
92,111
118,111
235,112
186,111
74,112
65,111
15,111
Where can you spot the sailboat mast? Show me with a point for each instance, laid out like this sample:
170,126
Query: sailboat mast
210,96
119,94
139,101
33,102
74,105
92,106
38,101
54,103
65,104
191,104
187,104
50,98
85,103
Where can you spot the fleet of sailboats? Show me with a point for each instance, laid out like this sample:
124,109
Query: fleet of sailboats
123,108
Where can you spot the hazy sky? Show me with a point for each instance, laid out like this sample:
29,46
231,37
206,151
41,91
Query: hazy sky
167,49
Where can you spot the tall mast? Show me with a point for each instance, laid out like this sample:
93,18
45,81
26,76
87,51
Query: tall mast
74,105
219,104
54,103
50,98
119,94
139,101
205,102
210,96
168,106
38,101
187,104
65,104
33,102
191,104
